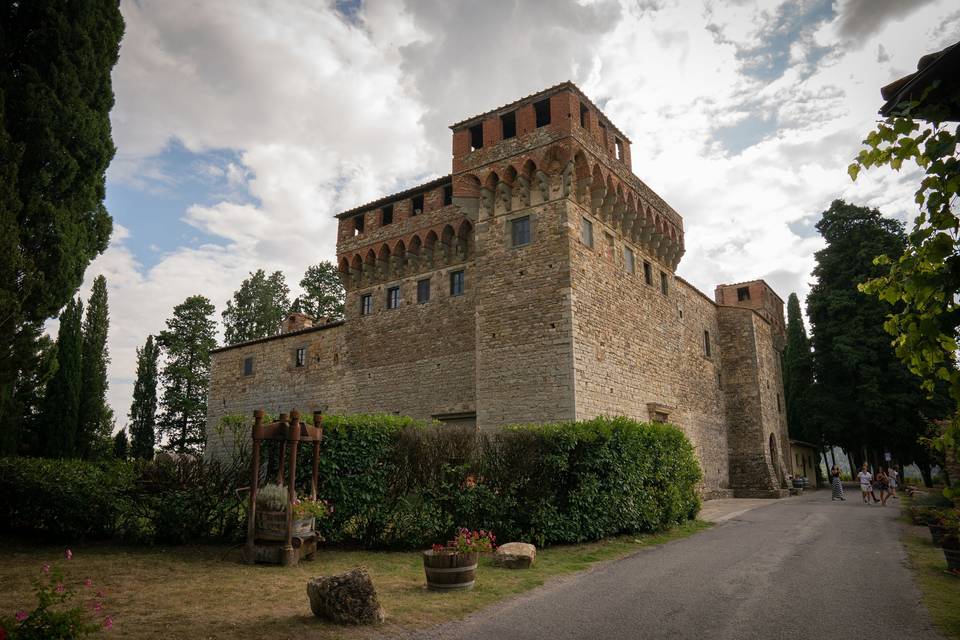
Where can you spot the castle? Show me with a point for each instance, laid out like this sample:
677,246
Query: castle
535,283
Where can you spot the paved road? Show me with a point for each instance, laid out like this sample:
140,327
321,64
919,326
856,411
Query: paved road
803,567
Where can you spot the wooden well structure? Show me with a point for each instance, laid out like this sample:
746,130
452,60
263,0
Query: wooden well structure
289,432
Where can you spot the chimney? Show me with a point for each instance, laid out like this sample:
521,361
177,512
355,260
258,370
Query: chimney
295,321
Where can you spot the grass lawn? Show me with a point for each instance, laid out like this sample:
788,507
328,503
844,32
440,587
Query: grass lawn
941,590
204,591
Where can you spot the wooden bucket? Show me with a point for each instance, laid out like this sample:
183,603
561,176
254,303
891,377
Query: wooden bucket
272,525
450,571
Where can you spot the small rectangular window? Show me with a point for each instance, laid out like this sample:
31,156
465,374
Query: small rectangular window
386,215
358,225
603,135
706,343
542,111
743,293
619,146
647,273
584,116
248,366
366,304
456,283
664,283
520,231
508,125
393,297
448,195
628,260
423,291
586,232
416,205
301,357
660,416
476,137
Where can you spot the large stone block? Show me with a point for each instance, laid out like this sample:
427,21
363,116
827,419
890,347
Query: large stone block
515,555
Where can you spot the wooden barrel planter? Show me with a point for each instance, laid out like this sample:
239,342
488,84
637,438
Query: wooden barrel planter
936,532
952,557
272,525
450,571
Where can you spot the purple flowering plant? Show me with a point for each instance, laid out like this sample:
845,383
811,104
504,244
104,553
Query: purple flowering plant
57,616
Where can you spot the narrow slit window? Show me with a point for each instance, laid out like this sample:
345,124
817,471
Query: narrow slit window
248,366
393,297
366,304
664,283
628,260
448,195
358,225
584,116
508,125
301,357
386,215
542,111
586,232
456,283
603,135
706,343
423,291
476,137
416,205
619,146
647,273
520,231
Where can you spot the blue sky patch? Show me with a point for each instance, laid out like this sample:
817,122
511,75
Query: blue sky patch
769,59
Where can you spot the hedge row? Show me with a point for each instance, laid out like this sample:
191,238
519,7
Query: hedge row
394,483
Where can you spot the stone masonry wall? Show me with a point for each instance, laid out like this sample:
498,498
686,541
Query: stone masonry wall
638,351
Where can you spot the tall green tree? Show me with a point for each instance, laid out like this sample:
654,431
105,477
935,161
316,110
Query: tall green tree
798,377
55,146
323,292
866,398
257,308
186,342
143,410
61,413
94,419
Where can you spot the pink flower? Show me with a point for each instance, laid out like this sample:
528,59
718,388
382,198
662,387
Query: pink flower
108,623
97,607
59,588
88,583
68,554
21,615
46,567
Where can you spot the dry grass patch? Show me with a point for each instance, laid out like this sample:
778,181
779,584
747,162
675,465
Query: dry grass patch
204,591
940,590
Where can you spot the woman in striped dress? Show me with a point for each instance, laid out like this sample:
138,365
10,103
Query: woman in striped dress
835,484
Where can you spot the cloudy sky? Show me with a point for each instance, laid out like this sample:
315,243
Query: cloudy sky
242,127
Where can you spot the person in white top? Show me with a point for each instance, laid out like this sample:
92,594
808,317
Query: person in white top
866,483
893,481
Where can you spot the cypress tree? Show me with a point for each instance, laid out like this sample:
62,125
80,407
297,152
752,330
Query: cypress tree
798,376
62,402
121,447
257,308
143,410
93,421
55,146
187,341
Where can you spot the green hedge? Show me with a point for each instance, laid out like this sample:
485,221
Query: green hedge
393,482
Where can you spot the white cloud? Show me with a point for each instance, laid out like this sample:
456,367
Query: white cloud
325,113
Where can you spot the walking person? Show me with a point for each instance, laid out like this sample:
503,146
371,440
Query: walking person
893,476
882,484
835,484
866,483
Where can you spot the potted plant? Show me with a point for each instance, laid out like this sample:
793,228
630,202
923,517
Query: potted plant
453,566
949,523
272,504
